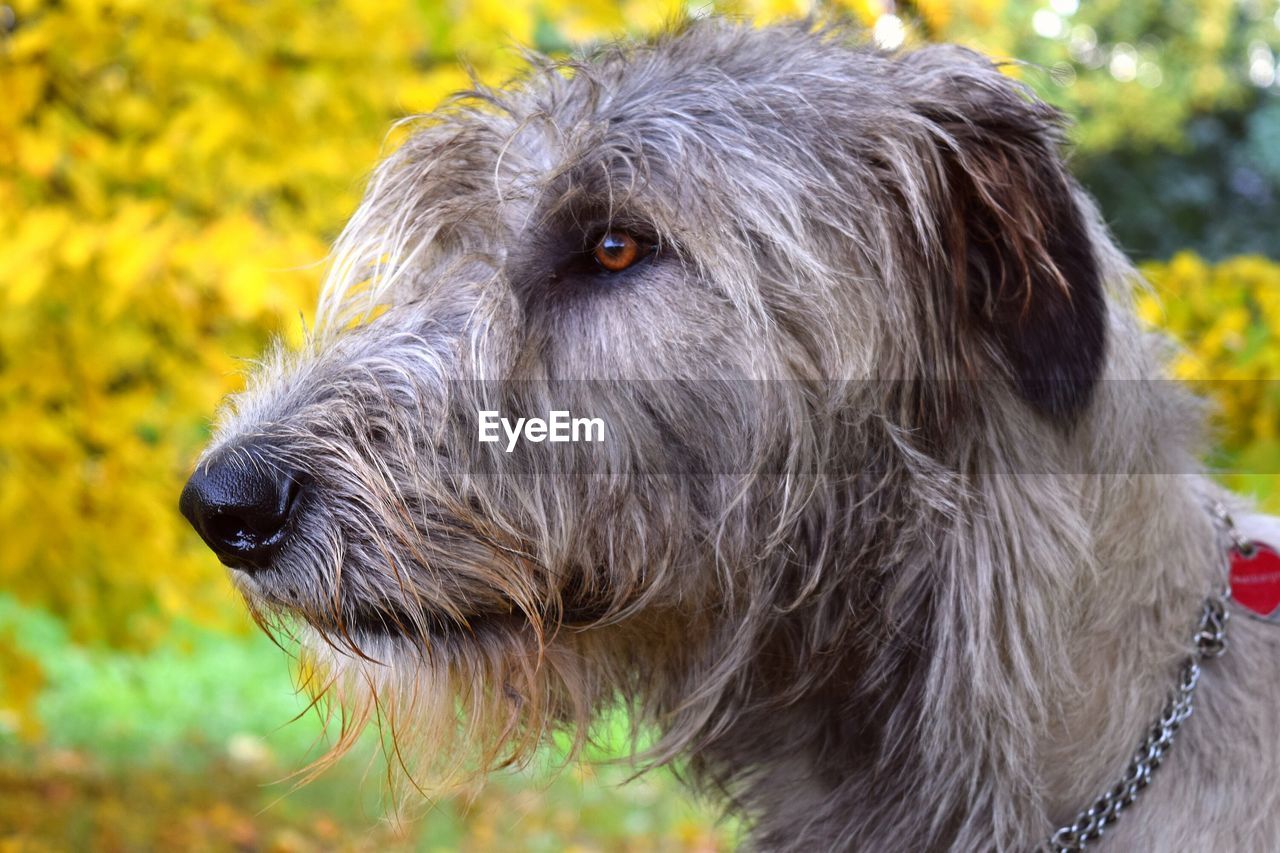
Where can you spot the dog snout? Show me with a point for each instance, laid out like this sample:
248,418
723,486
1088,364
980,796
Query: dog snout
240,502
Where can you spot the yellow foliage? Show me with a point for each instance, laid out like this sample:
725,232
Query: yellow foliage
1222,315
170,176
21,680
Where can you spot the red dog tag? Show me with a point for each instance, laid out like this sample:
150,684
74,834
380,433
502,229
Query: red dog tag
1255,581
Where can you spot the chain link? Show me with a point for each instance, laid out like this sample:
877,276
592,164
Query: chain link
1210,641
1236,541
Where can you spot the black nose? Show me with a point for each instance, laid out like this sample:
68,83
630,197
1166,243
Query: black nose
239,502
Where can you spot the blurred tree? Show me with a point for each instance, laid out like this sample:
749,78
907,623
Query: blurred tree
1129,72
1175,108
168,174
1217,192
1223,315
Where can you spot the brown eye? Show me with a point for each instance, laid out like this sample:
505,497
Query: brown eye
617,250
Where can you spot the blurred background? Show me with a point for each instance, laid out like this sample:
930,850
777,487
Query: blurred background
170,177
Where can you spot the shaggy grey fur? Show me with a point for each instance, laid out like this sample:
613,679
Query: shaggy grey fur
822,551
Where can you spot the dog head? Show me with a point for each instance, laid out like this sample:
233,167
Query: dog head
769,262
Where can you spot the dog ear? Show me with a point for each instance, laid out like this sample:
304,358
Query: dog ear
1017,268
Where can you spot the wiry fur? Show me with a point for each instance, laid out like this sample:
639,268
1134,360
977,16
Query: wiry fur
868,544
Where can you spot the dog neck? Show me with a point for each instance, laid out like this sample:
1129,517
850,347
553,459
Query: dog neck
1135,628
1019,658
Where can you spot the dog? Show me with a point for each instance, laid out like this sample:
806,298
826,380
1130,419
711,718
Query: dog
895,534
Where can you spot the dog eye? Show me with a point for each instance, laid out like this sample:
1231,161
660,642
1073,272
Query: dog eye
618,250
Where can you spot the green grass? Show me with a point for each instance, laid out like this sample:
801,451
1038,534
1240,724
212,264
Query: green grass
189,746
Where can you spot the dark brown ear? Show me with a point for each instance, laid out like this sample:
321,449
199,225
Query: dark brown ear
1017,257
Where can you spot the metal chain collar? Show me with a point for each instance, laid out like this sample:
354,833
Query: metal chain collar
1210,642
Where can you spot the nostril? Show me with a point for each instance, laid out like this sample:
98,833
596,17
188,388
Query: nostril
240,501
225,528
239,532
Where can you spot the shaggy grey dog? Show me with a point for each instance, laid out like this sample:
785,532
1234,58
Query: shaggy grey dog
878,539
